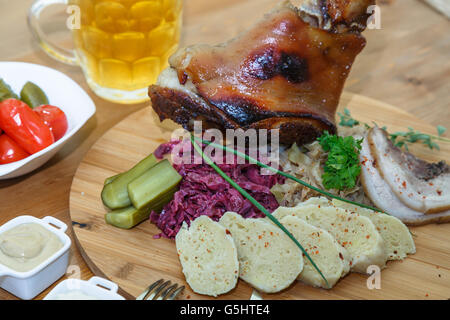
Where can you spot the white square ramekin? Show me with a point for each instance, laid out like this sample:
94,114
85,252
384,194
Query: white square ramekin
107,291
27,285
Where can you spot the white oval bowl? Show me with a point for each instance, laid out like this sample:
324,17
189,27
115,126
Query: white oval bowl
96,287
62,92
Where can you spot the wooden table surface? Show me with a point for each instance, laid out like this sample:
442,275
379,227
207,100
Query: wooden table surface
406,63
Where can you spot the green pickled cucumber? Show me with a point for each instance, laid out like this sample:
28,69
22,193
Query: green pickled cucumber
115,194
111,179
33,96
128,218
154,185
6,92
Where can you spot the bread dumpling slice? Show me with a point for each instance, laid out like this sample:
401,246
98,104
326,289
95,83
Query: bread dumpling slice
208,257
355,233
319,201
268,259
332,259
397,238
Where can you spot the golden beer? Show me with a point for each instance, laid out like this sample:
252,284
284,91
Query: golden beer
123,45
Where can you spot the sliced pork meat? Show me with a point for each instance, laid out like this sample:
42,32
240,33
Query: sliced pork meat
421,186
381,194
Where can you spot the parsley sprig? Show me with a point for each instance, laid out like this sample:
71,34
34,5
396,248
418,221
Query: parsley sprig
401,139
342,167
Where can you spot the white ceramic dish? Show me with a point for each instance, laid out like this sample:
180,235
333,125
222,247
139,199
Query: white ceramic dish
62,92
27,285
97,287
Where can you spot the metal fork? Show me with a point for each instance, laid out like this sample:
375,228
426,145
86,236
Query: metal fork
161,290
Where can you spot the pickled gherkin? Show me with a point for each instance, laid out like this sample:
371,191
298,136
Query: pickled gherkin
115,193
134,194
6,92
128,218
154,185
111,179
33,96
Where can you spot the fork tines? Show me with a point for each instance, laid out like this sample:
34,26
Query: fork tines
161,290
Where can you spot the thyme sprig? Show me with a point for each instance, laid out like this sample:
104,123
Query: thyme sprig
400,139
347,120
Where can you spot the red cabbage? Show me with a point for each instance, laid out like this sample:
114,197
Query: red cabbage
204,192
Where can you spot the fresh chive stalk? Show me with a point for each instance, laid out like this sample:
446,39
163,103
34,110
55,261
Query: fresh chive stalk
255,203
287,175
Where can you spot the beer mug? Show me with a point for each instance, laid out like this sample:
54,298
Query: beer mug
121,45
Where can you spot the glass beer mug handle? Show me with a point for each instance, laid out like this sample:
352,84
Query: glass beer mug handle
60,54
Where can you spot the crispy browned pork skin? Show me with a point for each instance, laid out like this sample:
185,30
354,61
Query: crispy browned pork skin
286,73
337,16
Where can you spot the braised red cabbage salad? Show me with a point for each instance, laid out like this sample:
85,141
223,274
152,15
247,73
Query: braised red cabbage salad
203,191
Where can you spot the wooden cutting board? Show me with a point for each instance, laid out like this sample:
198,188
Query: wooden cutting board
133,259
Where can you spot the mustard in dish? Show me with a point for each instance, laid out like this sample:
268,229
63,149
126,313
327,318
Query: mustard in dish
26,246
